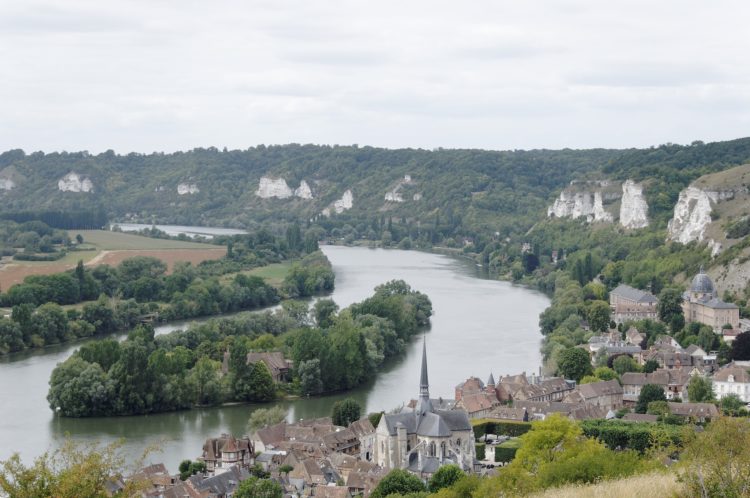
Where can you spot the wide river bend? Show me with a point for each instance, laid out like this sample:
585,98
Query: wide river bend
479,326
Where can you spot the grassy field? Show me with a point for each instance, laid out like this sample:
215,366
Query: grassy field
110,248
656,485
273,274
114,241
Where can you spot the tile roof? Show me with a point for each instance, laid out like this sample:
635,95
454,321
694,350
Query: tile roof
634,294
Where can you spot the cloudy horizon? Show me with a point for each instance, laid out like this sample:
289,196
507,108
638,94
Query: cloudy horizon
173,75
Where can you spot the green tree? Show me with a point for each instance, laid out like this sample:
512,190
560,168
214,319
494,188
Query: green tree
624,363
398,482
324,312
73,471
260,384
605,373
700,389
446,476
741,347
732,405
670,304
649,393
574,363
345,412
650,366
714,462
598,315
254,487
263,417
309,377
205,380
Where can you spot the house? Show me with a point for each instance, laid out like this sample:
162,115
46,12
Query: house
227,451
279,367
628,303
514,414
639,417
424,438
332,492
156,475
365,432
342,441
699,412
539,410
632,382
729,335
221,485
606,394
521,387
732,379
632,336
701,304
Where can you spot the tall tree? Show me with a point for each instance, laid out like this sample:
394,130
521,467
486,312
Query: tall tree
574,363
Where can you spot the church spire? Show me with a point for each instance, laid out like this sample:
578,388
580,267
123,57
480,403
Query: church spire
424,404
424,384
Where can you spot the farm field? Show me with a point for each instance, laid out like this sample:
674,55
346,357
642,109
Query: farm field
110,248
274,273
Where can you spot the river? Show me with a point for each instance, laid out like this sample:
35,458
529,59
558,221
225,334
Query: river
479,326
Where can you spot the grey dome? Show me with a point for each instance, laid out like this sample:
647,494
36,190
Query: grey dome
702,284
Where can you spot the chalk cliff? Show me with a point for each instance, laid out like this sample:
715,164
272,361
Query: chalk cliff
692,214
273,187
303,191
633,207
187,188
73,182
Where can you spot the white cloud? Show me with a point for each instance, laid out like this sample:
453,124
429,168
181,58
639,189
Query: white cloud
169,74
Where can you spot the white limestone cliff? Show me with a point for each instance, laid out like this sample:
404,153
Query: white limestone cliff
187,188
692,214
574,205
273,187
73,182
600,214
633,207
345,203
303,191
394,196
417,196
339,206
7,184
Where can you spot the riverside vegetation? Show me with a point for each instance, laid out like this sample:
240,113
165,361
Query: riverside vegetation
109,299
331,351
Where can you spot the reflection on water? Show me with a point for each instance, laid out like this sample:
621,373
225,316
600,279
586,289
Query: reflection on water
479,326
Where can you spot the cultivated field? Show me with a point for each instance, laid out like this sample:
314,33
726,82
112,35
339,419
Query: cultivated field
109,248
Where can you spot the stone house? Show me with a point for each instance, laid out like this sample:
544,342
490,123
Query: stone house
606,394
701,304
227,451
699,412
627,303
633,382
732,379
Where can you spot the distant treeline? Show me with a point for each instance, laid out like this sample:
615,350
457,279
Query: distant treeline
88,219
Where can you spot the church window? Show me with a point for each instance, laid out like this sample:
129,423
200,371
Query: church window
432,449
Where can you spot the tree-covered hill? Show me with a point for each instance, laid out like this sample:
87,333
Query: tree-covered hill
479,189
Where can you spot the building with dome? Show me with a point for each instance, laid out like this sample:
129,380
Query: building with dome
701,304
424,438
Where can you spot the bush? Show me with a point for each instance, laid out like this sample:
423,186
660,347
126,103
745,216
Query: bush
480,447
506,452
512,429
20,256
638,436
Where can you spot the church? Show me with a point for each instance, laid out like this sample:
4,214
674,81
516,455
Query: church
424,438
701,304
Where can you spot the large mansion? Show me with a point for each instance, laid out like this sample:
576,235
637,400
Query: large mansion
701,304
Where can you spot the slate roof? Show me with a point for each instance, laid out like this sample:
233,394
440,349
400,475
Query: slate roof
694,409
659,378
740,374
220,484
639,417
437,423
602,388
633,294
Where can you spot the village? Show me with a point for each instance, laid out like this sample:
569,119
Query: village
320,459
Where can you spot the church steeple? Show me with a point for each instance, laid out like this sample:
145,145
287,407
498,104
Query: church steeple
424,404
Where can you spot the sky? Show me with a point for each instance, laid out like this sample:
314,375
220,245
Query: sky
166,75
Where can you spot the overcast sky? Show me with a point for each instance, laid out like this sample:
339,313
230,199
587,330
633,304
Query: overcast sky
162,75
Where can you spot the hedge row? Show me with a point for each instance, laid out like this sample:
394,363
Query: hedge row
504,428
54,256
480,448
638,436
505,454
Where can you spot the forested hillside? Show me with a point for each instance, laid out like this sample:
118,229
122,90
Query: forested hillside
460,190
